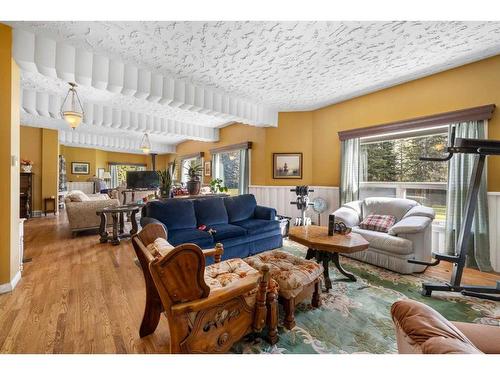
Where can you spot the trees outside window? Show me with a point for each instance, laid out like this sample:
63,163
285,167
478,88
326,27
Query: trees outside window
228,170
392,168
398,159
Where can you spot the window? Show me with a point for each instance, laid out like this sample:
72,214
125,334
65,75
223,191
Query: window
119,173
390,167
185,163
232,167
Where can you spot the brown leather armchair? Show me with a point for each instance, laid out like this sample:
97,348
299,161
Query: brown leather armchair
208,309
422,330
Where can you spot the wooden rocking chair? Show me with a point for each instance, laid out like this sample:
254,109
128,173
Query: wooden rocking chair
202,318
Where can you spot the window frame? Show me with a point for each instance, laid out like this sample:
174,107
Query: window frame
400,186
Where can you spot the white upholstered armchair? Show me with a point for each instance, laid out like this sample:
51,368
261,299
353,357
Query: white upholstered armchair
409,238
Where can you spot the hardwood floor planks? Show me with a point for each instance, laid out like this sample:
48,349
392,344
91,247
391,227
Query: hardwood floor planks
80,296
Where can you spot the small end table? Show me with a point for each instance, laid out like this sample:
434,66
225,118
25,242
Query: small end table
52,202
117,215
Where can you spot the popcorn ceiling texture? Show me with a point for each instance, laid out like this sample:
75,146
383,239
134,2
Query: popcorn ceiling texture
287,65
197,76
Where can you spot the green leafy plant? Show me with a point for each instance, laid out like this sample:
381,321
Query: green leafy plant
217,187
194,170
166,180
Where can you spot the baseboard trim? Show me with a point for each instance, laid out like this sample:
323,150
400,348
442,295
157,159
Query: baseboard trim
9,287
36,213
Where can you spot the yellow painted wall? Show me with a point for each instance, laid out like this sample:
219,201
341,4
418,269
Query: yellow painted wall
467,86
314,133
163,160
229,135
31,149
50,164
293,134
79,154
9,150
41,146
98,159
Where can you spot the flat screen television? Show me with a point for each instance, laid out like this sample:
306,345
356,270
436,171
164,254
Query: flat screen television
142,180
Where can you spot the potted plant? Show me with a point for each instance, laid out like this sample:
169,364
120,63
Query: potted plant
194,170
26,165
217,187
166,181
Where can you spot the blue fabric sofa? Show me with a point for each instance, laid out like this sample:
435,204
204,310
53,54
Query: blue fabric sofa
243,227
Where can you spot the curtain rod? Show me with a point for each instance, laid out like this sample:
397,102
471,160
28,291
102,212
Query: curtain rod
470,114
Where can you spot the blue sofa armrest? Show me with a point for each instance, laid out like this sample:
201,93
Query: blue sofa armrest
265,213
145,220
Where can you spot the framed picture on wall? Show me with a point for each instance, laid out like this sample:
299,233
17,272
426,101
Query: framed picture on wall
287,165
78,167
100,173
208,168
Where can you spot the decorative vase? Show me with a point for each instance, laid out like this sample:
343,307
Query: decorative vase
26,168
193,187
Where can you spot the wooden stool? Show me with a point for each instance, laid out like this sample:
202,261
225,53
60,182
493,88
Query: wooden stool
51,200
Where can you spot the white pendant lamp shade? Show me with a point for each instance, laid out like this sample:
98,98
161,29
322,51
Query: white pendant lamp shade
145,144
71,108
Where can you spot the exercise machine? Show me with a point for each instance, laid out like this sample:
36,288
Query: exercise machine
302,203
481,148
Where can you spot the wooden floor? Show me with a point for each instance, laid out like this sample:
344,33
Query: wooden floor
80,296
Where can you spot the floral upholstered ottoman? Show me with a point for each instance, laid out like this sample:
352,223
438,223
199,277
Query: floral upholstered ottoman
297,278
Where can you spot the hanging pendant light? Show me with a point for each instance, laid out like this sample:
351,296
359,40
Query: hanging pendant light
72,113
145,144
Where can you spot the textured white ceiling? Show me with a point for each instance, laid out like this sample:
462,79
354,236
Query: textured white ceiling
286,65
180,80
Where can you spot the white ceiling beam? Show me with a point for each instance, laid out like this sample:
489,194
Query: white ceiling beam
60,60
80,138
47,105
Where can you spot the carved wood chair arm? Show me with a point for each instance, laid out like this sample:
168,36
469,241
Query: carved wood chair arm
218,296
216,252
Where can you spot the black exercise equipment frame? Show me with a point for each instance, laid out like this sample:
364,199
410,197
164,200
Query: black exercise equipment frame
482,148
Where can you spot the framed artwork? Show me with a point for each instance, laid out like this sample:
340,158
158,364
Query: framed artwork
208,168
78,167
100,173
287,165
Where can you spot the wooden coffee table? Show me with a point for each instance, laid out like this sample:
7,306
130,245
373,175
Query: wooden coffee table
326,248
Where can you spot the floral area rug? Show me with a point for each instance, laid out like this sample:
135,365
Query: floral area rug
354,317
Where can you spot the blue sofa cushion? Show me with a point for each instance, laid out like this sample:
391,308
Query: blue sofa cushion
225,231
174,213
256,226
264,213
241,207
198,237
210,211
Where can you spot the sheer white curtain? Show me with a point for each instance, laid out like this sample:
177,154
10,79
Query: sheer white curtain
350,170
459,173
244,171
113,169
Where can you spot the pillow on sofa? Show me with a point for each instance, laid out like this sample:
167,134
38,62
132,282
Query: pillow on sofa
378,223
77,196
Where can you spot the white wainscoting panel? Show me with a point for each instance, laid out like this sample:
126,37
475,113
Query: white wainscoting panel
438,238
86,186
494,219
279,197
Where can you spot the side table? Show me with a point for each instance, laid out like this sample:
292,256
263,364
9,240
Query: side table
117,215
49,205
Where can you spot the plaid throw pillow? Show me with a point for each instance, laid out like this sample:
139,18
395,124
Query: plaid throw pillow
379,223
